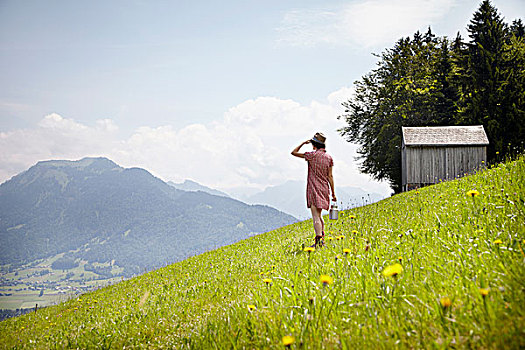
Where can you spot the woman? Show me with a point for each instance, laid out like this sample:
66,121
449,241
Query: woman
320,178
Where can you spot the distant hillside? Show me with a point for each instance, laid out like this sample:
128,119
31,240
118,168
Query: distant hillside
97,211
192,186
290,198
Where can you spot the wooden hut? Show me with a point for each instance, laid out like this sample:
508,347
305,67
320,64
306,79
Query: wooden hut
433,154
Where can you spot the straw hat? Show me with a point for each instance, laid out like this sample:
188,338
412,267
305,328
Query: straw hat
319,138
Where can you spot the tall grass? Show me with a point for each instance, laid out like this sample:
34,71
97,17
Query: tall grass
456,279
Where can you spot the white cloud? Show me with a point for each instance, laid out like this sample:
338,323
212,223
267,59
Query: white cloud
55,121
364,23
54,137
250,146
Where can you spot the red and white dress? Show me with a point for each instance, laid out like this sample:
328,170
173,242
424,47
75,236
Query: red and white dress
317,186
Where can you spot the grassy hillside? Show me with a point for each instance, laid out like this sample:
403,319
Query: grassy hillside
460,282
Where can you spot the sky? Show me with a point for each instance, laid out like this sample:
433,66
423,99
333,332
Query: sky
218,92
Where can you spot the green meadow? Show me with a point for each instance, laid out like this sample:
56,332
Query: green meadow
436,268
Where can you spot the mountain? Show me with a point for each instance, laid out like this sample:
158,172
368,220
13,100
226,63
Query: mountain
243,193
351,197
99,212
193,186
290,198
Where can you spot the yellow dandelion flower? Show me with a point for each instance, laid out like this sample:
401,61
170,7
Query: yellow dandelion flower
309,249
267,281
484,292
340,237
472,193
325,279
354,232
251,307
446,302
352,217
346,251
400,259
498,241
288,340
392,270
329,238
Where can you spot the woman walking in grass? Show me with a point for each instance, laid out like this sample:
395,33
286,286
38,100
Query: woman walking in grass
319,182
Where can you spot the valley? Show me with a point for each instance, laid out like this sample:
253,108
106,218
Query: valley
38,283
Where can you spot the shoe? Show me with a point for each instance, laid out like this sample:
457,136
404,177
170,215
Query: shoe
319,241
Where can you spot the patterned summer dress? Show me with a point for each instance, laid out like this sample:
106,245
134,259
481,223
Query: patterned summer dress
318,187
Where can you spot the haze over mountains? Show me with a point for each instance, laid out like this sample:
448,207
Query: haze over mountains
289,197
96,211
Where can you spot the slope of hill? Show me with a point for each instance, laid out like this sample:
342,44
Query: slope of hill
436,268
96,211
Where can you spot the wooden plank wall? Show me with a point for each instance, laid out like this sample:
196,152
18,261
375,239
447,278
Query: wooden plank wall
403,166
428,165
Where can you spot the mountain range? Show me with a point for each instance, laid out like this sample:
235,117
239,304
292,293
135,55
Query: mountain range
99,212
192,186
290,197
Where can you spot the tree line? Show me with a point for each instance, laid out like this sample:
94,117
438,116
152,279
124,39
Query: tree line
435,81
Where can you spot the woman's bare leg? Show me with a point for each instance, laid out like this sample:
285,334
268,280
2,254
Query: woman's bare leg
322,221
318,220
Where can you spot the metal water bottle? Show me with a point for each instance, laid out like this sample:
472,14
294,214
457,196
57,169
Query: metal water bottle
334,211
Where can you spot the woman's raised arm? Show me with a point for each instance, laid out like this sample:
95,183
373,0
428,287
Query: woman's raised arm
296,152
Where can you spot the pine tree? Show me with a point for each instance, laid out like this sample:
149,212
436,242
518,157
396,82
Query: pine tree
517,28
447,94
484,77
513,93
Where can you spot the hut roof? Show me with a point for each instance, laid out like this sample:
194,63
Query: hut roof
445,136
